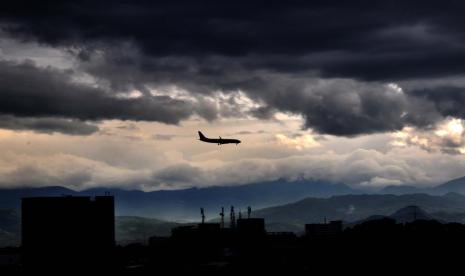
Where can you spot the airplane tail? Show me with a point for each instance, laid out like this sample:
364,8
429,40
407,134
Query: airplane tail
202,137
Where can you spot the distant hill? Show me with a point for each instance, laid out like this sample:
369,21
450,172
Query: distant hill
404,215
410,213
10,198
454,186
9,220
10,226
450,217
182,205
401,190
350,208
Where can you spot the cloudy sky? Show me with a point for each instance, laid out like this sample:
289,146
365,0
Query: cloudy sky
369,93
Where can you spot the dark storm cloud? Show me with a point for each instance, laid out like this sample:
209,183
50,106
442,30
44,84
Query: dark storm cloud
448,100
331,106
360,39
347,108
29,91
47,125
274,51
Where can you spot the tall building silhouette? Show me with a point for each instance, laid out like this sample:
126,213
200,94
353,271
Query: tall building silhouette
75,232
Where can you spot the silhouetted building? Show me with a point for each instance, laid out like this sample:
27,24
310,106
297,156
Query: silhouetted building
251,226
75,232
323,229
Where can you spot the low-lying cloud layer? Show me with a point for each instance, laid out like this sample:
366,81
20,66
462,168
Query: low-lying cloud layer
360,168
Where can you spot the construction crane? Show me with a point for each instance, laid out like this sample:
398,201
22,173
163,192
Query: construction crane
202,213
222,217
232,217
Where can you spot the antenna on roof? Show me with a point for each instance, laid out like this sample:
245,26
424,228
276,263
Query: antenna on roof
232,217
222,217
202,212
249,211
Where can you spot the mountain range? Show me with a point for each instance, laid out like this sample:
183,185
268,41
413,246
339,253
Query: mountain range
353,208
285,205
183,205
404,215
453,186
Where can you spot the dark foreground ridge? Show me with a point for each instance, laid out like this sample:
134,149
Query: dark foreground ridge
76,234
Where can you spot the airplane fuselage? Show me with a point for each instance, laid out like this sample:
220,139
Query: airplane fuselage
219,141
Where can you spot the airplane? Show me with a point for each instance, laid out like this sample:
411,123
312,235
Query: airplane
220,141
